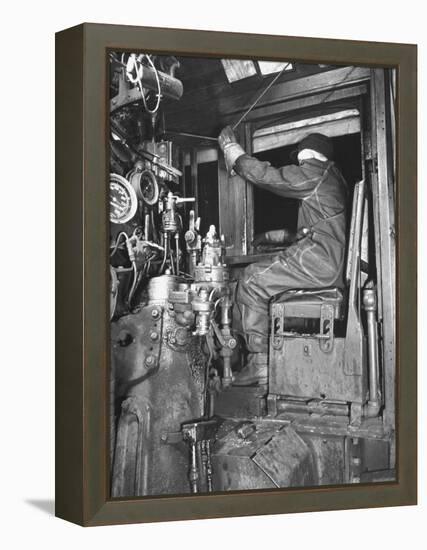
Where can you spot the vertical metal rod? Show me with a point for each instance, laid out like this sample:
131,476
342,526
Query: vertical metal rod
211,403
384,220
194,180
177,252
208,465
171,260
147,227
249,192
370,306
202,458
194,473
165,256
226,352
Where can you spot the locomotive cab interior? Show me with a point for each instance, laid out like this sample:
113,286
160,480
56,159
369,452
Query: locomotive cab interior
184,230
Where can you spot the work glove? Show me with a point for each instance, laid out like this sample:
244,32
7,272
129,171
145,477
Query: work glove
226,137
274,238
229,146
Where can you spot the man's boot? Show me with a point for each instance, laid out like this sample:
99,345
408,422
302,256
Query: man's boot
255,372
255,330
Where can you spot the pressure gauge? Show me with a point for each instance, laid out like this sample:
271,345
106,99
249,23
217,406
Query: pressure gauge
145,185
123,200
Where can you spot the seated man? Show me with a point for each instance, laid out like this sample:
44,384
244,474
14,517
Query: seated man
315,258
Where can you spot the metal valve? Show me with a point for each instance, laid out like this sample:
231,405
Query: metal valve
183,199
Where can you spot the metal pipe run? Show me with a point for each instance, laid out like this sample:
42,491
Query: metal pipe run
370,306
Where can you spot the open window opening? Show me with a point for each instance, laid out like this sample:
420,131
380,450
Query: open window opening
239,69
276,145
283,212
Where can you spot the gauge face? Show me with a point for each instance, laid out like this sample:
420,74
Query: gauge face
145,185
123,200
149,187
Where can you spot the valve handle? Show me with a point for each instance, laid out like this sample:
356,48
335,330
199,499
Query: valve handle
186,199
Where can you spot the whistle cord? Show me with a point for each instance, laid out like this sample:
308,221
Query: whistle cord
245,114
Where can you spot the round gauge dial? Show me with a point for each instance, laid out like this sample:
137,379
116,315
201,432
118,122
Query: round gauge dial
123,200
146,187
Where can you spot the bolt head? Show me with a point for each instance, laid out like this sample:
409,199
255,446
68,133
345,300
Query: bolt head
155,313
232,343
150,361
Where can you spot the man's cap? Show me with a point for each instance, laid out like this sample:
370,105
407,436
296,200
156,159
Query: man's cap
317,142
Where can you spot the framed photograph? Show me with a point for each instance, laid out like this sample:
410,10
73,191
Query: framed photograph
236,274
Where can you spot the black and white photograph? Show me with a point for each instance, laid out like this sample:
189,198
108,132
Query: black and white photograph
213,275
252,274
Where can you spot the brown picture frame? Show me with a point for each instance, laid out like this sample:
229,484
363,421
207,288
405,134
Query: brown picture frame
82,321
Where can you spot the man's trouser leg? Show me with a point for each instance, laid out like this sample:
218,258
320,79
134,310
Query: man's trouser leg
259,283
252,297
300,267
254,328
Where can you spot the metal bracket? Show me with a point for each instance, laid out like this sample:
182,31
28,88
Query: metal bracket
272,405
326,328
132,407
277,326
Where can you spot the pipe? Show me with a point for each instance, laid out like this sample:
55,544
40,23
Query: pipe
147,226
229,342
170,87
193,474
133,287
171,262
165,256
372,408
314,407
177,252
187,134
